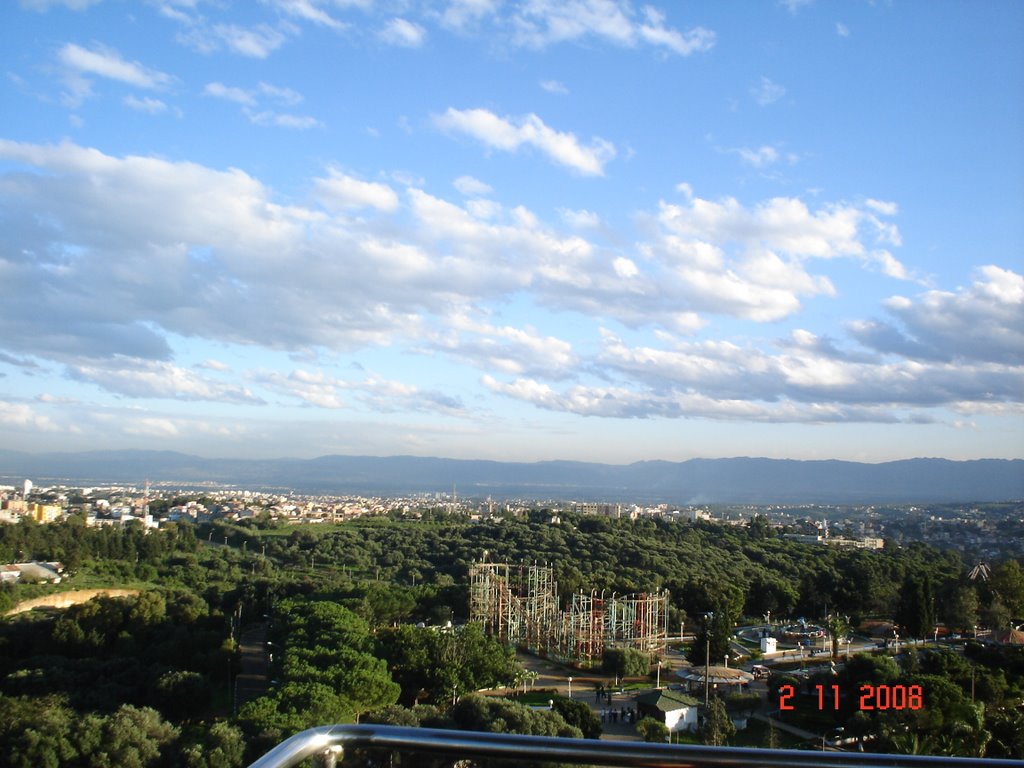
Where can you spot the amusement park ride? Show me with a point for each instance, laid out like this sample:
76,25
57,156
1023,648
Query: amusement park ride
520,605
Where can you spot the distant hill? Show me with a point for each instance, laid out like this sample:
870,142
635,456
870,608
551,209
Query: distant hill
698,481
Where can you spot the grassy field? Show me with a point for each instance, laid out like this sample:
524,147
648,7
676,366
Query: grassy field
537,698
81,580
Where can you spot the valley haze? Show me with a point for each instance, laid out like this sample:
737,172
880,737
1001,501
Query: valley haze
696,481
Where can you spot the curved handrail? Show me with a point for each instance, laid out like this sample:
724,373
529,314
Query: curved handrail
328,741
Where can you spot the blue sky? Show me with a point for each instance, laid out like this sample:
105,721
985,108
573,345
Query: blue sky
586,229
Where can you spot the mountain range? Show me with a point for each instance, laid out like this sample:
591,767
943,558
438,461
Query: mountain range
697,481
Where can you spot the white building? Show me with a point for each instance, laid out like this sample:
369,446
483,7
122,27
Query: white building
675,709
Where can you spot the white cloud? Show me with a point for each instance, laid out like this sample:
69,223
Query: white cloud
781,223
214,365
312,388
106,62
250,102
283,120
145,104
284,95
807,380
582,219
890,265
256,42
319,390
462,14
230,93
221,240
150,426
483,208
177,10
554,86
983,322
508,134
882,207
24,417
154,379
101,61
342,191
507,349
45,5
539,23
627,403
45,397
795,5
653,31
762,157
403,33
767,92
753,262
842,30
227,262
471,187
308,10
625,268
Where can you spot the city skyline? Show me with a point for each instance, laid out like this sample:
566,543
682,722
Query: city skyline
588,230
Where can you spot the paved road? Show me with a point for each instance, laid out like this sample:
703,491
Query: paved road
254,677
553,675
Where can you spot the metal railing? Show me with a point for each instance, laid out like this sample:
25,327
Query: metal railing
328,744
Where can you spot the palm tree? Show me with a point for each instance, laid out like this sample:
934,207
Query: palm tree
837,626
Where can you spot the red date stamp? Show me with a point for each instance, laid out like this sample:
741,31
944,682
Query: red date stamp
872,697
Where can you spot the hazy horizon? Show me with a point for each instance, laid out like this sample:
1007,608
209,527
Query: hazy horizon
283,457
526,231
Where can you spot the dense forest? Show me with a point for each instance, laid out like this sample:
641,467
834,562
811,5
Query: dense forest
145,680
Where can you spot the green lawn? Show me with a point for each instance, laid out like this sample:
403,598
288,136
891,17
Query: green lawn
537,698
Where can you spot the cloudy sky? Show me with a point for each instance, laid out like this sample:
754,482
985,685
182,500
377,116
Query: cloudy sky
581,229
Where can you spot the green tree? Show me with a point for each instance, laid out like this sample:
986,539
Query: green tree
717,728
1007,581
182,694
960,610
652,730
625,662
135,738
220,746
35,732
444,664
148,609
915,611
482,713
579,715
868,669
711,639
363,680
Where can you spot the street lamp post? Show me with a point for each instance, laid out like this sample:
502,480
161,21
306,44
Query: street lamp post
707,657
570,687
659,674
